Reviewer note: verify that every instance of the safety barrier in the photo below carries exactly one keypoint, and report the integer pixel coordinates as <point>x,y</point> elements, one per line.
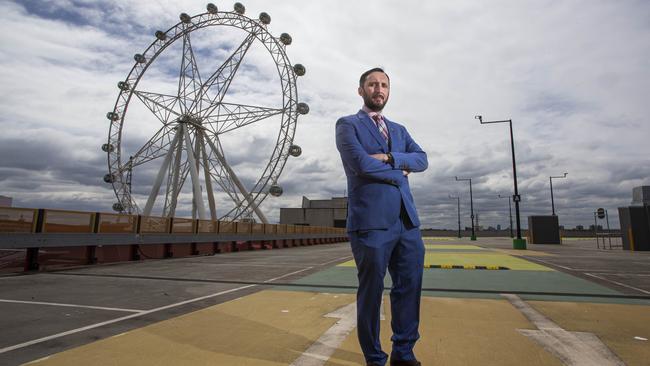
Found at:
<point>54,238</point>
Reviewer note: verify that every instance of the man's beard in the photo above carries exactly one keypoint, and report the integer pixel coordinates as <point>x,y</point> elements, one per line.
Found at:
<point>367,100</point>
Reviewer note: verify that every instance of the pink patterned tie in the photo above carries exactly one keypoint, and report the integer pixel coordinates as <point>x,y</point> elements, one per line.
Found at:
<point>379,121</point>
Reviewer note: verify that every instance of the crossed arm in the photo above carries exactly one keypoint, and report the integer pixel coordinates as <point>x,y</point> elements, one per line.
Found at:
<point>384,158</point>
<point>376,166</point>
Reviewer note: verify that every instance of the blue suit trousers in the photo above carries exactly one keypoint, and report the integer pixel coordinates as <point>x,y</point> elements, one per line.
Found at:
<point>400,250</point>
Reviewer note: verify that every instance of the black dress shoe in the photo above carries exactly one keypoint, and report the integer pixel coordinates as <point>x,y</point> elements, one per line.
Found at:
<point>405,363</point>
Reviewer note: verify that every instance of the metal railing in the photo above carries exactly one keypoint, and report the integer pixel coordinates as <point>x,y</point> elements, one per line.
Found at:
<point>35,229</point>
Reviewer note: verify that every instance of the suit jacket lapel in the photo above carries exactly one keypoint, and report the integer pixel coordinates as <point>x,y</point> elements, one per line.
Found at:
<point>372,127</point>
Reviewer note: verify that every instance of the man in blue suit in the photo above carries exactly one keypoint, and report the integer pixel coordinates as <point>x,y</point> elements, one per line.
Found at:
<point>378,155</point>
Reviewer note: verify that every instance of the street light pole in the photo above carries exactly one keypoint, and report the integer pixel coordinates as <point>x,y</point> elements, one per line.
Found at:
<point>517,243</point>
<point>457,198</point>
<point>550,180</point>
<point>510,212</point>
<point>471,204</point>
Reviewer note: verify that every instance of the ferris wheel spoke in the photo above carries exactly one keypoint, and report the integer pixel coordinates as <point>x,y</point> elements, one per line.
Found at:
<point>156,147</point>
<point>229,117</point>
<point>220,80</point>
<point>189,81</point>
<point>161,105</point>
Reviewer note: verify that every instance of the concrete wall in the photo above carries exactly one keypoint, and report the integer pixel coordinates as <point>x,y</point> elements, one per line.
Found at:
<point>322,217</point>
<point>292,216</point>
<point>316,212</point>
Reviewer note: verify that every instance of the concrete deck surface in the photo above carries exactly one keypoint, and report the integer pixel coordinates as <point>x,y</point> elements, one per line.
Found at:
<point>276,307</point>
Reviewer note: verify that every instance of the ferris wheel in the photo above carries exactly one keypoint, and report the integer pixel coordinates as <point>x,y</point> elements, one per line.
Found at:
<point>205,98</point>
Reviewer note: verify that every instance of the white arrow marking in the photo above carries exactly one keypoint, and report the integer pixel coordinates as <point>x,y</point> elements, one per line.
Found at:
<point>321,351</point>
<point>572,348</point>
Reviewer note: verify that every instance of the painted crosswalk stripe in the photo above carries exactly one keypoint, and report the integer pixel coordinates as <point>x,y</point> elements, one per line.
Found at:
<point>321,350</point>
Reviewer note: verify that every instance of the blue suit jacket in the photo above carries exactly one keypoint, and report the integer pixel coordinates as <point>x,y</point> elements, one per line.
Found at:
<point>377,190</point>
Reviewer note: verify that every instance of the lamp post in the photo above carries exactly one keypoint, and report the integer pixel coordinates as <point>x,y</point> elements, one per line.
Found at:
<point>471,204</point>
<point>457,198</point>
<point>510,212</point>
<point>550,180</point>
<point>517,243</point>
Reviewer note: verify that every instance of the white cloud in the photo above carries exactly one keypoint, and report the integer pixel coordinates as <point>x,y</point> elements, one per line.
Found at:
<point>571,75</point>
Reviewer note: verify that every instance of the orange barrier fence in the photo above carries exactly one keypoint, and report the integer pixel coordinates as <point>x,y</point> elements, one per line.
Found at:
<point>30,238</point>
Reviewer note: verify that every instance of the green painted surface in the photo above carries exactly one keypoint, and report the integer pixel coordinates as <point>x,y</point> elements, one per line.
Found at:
<point>459,279</point>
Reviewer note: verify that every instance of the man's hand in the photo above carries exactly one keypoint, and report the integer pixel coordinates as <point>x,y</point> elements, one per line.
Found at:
<point>381,157</point>
<point>405,172</point>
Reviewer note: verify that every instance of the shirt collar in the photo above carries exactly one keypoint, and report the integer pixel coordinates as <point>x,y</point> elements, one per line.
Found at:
<point>370,112</point>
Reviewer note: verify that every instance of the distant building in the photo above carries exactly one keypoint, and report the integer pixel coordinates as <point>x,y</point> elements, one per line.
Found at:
<point>641,196</point>
<point>499,227</point>
<point>331,213</point>
<point>5,201</point>
<point>580,227</point>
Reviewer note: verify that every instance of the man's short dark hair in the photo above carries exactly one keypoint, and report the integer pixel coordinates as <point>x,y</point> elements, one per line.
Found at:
<point>363,77</point>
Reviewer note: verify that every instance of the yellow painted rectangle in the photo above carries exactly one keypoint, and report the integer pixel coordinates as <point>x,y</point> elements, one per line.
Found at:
<point>488,259</point>
<point>474,259</point>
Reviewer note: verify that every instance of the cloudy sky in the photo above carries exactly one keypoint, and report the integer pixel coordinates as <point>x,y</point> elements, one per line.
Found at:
<point>572,75</point>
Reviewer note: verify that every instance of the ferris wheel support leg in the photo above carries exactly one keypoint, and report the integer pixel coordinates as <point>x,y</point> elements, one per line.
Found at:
<point>175,190</point>
<point>161,173</point>
<point>238,183</point>
<point>206,172</point>
<point>196,188</point>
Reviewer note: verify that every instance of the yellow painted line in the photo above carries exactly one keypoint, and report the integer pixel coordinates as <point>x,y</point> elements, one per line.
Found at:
<point>438,238</point>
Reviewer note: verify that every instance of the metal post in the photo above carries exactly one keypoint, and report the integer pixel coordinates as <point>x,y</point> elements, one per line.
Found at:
<point>596,232</point>
<point>517,243</point>
<point>609,233</point>
<point>458,201</point>
<point>521,244</point>
<point>471,205</point>
<point>510,213</point>
<point>457,198</point>
<point>550,179</point>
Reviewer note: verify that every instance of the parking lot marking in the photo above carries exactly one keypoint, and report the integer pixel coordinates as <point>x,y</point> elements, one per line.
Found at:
<point>572,348</point>
<point>70,305</point>
<point>140,313</point>
<point>321,350</point>
<point>97,325</point>
<point>618,283</point>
